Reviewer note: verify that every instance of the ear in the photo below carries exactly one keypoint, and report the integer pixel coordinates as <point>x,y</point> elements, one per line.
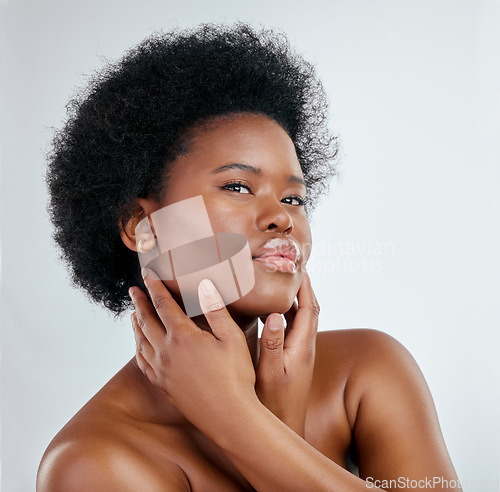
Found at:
<point>144,207</point>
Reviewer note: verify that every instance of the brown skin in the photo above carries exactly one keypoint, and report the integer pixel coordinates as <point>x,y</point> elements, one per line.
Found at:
<point>281,418</point>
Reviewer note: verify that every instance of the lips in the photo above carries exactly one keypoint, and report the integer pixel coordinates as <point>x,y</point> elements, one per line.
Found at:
<point>279,254</point>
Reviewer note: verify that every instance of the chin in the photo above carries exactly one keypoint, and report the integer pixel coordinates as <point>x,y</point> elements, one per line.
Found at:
<point>272,293</point>
<point>268,296</point>
<point>253,308</point>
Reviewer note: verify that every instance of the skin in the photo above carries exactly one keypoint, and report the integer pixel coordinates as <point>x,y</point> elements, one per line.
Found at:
<point>205,405</point>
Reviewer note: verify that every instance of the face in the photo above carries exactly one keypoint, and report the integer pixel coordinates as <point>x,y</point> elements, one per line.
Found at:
<point>247,171</point>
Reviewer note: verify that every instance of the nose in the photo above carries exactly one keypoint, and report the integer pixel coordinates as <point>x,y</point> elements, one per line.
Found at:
<point>273,216</point>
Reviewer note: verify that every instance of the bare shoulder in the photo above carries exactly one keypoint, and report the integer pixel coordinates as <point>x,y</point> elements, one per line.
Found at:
<point>357,351</point>
<point>368,361</point>
<point>100,460</point>
<point>359,341</point>
<point>388,405</point>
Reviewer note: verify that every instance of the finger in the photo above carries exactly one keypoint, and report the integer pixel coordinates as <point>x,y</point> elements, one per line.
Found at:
<point>167,309</point>
<point>305,324</point>
<point>144,366</point>
<point>151,325</point>
<point>290,316</point>
<point>306,297</point>
<point>142,344</point>
<point>215,311</point>
<point>271,347</point>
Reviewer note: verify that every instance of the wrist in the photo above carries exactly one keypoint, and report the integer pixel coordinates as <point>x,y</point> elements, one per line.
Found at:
<point>223,420</point>
<point>290,417</point>
<point>235,421</point>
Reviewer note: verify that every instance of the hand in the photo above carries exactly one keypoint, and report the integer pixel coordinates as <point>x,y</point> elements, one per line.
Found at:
<point>286,362</point>
<point>203,374</point>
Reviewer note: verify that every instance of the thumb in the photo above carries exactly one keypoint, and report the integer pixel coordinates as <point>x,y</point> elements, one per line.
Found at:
<point>271,346</point>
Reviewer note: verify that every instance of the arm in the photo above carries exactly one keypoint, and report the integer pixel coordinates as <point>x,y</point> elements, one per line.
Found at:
<point>273,457</point>
<point>393,419</point>
<point>174,354</point>
<point>286,359</point>
<point>396,429</point>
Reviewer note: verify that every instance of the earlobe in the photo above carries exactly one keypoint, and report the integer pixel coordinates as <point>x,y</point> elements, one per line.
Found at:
<point>132,237</point>
<point>127,231</point>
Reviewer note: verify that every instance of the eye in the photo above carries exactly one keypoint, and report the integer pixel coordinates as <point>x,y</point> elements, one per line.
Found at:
<point>237,187</point>
<point>294,200</point>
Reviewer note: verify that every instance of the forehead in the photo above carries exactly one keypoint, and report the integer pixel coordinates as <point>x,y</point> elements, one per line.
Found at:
<point>244,138</point>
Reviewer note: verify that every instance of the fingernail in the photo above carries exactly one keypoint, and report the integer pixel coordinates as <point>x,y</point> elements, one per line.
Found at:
<point>207,287</point>
<point>131,293</point>
<point>274,323</point>
<point>144,273</point>
<point>210,300</point>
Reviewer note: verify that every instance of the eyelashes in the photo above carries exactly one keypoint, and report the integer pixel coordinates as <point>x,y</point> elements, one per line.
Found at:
<point>300,201</point>
<point>239,186</point>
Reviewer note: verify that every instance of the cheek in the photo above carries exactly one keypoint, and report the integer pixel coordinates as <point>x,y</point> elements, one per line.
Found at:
<point>224,218</point>
<point>306,252</point>
<point>304,237</point>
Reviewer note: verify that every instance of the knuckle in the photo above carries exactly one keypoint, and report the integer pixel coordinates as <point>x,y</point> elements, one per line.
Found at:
<point>175,339</point>
<point>314,309</point>
<point>217,308</point>
<point>141,319</point>
<point>217,314</point>
<point>159,302</point>
<point>273,343</point>
<point>140,344</point>
<point>230,337</point>
<point>164,357</point>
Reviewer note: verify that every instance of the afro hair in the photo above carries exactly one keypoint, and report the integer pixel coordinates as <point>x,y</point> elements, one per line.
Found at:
<point>132,119</point>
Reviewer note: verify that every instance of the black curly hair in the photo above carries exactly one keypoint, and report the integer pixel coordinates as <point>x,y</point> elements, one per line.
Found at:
<point>132,119</point>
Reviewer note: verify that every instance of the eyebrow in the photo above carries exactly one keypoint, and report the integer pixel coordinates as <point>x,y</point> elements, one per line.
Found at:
<point>254,170</point>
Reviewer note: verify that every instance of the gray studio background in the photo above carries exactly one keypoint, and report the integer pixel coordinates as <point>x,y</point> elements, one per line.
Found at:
<point>407,242</point>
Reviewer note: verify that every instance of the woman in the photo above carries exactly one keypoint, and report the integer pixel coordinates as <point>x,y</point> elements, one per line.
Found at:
<point>235,117</point>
